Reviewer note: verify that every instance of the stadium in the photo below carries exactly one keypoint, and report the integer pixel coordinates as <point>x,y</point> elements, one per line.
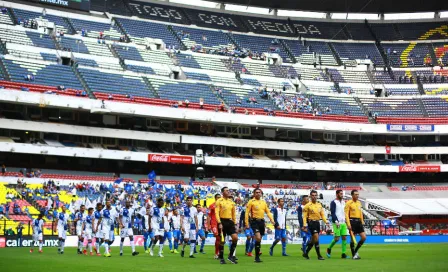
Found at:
<point>185,135</point>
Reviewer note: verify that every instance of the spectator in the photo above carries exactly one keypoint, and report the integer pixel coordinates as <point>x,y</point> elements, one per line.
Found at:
<point>3,169</point>
<point>110,97</point>
<point>19,234</point>
<point>187,103</point>
<point>201,103</point>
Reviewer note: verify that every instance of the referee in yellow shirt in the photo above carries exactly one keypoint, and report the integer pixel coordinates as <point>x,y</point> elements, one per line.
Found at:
<point>255,209</point>
<point>226,217</point>
<point>313,212</point>
<point>355,222</point>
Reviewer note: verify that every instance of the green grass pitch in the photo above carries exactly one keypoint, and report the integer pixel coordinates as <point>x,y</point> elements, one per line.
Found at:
<point>379,258</point>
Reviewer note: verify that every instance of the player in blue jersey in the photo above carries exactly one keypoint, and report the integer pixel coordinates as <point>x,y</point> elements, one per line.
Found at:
<point>107,226</point>
<point>79,220</point>
<point>126,220</point>
<point>87,227</point>
<point>279,215</point>
<point>168,229</point>
<point>61,225</point>
<point>201,228</point>
<point>306,235</point>
<point>156,215</point>
<point>97,228</point>
<point>175,219</point>
<point>38,225</point>
<point>189,226</point>
<point>250,241</point>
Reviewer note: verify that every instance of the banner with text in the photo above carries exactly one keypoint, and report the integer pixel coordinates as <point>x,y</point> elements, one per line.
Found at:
<point>416,128</point>
<point>419,168</point>
<point>179,159</point>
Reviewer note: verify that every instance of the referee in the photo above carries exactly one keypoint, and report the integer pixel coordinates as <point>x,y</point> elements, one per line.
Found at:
<point>226,218</point>
<point>256,208</point>
<point>355,222</point>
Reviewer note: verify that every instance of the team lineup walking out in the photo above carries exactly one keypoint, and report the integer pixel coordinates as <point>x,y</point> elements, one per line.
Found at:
<point>188,225</point>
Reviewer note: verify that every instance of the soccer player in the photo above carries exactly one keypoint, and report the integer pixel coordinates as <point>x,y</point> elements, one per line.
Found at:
<point>250,241</point>
<point>313,212</point>
<point>355,222</point>
<point>107,227</point>
<point>337,208</point>
<point>37,233</point>
<point>146,227</point>
<point>126,221</point>
<point>87,228</point>
<point>201,233</point>
<point>280,226</point>
<point>212,224</point>
<point>97,227</point>
<point>61,223</point>
<point>156,214</point>
<point>256,208</point>
<point>189,226</point>
<point>226,217</point>
<point>168,235</point>
<point>306,236</point>
<point>176,230</point>
<point>79,220</point>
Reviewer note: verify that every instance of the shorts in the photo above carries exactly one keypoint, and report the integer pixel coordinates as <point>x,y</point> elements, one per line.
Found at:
<point>62,233</point>
<point>190,234</point>
<point>158,232</point>
<point>78,231</point>
<point>176,234</point>
<point>106,235</point>
<point>341,231</point>
<point>314,227</point>
<point>168,235</point>
<point>200,233</point>
<point>228,227</point>
<point>306,235</point>
<point>357,226</point>
<point>258,226</point>
<point>88,234</point>
<point>127,232</point>
<point>249,232</point>
<point>280,234</point>
<point>37,237</point>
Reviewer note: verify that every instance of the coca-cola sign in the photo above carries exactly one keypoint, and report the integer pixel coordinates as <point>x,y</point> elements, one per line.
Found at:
<point>419,168</point>
<point>170,158</point>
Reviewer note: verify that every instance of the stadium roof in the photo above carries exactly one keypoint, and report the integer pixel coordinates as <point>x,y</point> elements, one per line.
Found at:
<point>414,206</point>
<point>352,6</point>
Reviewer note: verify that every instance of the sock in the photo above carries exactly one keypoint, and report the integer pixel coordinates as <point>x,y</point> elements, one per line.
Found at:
<point>252,245</point>
<point>145,246</point>
<point>121,247</point>
<point>333,242</point>
<point>106,248</point>
<point>359,246</point>
<point>344,246</point>
<point>150,243</point>
<point>232,248</point>
<point>97,246</point>
<point>90,247</point>
<point>170,244</point>
<point>257,249</point>
<point>352,248</point>
<point>40,245</point>
<point>216,246</point>
<point>133,246</point>
<point>62,245</point>
<point>309,247</point>
<point>79,245</point>
<point>317,247</point>
<point>153,246</point>
<point>176,244</point>
<point>161,248</point>
<point>274,243</point>
<point>221,251</point>
<point>202,244</point>
<point>247,245</point>
<point>234,252</point>
<point>192,247</point>
<point>184,245</point>
<point>284,247</point>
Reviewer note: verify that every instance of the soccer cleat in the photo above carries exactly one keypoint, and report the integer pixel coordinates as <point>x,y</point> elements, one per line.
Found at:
<point>146,251</point>
<point>356,257</point>
<point>216,257</point>
<point>221,261</point>
<point>98,254</point>
<point>249,254</point>
<point>328,253</point>
<point>201,251</point>
<point>195,252</point>
<point>40,251</point>
<point>304,255</point>
<point>232,260</point>
<point>62,252</point>
<point>344,256</point>
<point>320,258</point>
<point>160,255</point>
<point>235,258</point>
<point>182,253</point>
<point>135,253</point>
<point>91,254</point>
<point>31,250</point>
<point>192,257</point>
<point>172,251</point>
<point>258,260</point>
<point>84,252</point>
<point>151,252</point>
<point>271,251</point>
<point>59,250</point>
<point>176,252</point>
<point>121,253</point>
<point>107,255</point>
<point>285,255</point>
<point>261,253</point>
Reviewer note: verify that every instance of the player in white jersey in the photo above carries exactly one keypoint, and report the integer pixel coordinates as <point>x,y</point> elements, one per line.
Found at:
<point>201,228</point>
<point>279,214</point>
<point>189,226</point>
<point>97,227</point>
<point>175,219</point>
<point>126,221</point>
<point>79,220</point>
<point>107,225</point>
<point>156,214</point>
<point>87,227</point>
<point>38,225</point>
<point>167,227</point>
<point>61,227</point>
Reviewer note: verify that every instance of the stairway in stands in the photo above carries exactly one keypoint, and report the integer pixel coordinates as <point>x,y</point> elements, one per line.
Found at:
<point>288,51</point>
